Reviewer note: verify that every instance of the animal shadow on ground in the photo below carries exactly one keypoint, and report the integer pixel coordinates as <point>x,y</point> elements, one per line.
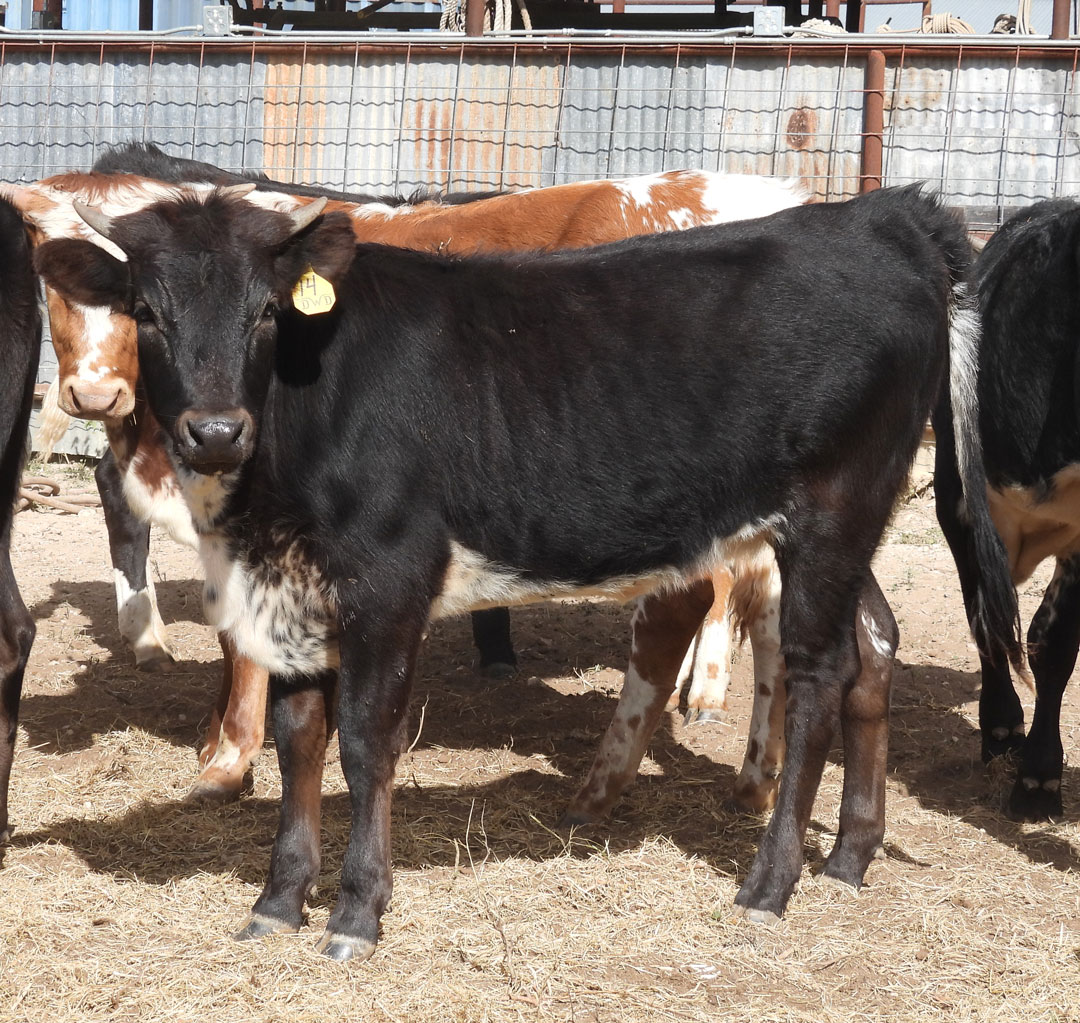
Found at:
<point>935,752</point>
<point>519,718</point>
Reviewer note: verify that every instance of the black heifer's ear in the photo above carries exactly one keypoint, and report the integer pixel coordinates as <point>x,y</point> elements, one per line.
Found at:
<point>83,272</point>
<point>328,248</point>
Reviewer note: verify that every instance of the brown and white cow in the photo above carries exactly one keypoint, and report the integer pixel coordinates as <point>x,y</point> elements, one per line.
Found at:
<point>99,373</point>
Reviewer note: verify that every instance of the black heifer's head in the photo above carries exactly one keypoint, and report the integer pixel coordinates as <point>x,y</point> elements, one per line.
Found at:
<point>205,282</point>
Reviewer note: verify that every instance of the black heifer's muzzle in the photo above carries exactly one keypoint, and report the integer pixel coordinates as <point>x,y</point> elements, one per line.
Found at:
<point>211,442</point>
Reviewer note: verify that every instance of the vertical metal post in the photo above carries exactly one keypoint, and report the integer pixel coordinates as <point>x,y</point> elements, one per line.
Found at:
<point>873,121</point>
<point>474,17</point>
<point>1060,25</point>
<point>146,15</point>
<point>832,9</point>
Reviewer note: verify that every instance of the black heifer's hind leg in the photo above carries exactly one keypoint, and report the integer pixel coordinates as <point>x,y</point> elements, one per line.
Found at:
<point>821,583</point>
<point>129,547</point>
<point>303,720</point>
<point>16,638</point>
<point>1053,641</point>
<point>491,634</point>
<point>864,718</point>
<point>1001,716</point>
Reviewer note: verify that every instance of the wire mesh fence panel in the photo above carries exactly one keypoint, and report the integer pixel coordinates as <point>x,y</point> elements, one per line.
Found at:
<point>994,127</point>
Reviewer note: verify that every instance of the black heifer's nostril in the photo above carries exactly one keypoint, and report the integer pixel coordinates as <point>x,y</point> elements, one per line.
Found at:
<point>215,441</point>
<point>219,431</point>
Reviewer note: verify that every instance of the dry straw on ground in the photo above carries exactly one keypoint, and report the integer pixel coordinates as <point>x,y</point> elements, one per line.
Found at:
<point>117,899</point>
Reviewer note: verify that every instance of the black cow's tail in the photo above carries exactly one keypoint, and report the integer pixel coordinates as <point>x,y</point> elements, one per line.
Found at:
<point>994,616</point>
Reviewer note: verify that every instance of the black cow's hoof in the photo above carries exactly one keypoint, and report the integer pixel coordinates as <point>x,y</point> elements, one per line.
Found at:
<point>342,948</point>
<point>259,926</point>
<point>1032,800</point>
<point>755,915</point>
<point>1002,742</point>
<point>498,670</point>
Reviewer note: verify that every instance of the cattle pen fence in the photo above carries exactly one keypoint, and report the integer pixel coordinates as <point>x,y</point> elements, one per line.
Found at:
<point>993,122</point>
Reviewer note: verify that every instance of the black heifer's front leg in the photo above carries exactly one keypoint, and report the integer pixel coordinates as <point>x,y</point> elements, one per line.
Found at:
<point>491,634</point>
<point>1053,641</point>
<point>864,718</point>
<point>378,653</point>
<point>129,546</point>
<point>817,629</point>
<point>303,720</point>
<point>16,638</point>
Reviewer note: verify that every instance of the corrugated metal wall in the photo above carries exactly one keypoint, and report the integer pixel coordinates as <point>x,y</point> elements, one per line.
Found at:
<point>993,128</point>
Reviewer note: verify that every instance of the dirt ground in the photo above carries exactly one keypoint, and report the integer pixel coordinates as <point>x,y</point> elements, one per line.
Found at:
<point>117,899</point>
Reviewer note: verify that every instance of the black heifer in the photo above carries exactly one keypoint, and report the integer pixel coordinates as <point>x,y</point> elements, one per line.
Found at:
<point>422,449</point>
<point>20,343</point>
<point>1028,278</point>
<point>129,536</point>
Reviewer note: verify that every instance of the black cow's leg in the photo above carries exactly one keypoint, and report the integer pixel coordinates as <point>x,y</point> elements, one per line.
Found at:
<point>820,588</point>
<point>1053,642</point>
<point>491,634</point>
<point>303,721</point>
<point>129,546</point>
<point>864,717</point>
<point>377,661</point>
<point>16,638</point>
<point>1001,716</point>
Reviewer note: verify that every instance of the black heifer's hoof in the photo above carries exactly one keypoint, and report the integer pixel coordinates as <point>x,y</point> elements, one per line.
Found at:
<point>342,948</point>
<point>1032,800</point>
<point>498,670</point>
<point>258,926</point>
<point>755,916</point>
<point>1002,742</point>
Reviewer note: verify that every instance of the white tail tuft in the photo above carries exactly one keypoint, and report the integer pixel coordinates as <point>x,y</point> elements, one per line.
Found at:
<point>53,422</point>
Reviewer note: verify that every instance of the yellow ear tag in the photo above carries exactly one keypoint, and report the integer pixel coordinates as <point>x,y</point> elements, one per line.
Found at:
<point>313,294</point>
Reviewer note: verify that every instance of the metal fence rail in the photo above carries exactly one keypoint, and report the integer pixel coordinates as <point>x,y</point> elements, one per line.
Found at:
<point>992,125</point>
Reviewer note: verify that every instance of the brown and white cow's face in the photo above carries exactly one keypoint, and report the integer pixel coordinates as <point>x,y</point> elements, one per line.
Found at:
<point>95,345</point>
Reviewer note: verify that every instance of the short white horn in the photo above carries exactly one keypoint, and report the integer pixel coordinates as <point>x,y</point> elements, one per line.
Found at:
<point>94,217</point>
<point>237,191</point>
<point>306,214</point>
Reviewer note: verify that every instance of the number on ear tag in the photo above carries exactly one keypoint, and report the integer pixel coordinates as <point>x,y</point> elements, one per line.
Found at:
<point>313,294</point>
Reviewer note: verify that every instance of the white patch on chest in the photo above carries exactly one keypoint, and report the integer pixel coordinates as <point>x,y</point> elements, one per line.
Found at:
<point>281,613</point>
<point>162,504</point>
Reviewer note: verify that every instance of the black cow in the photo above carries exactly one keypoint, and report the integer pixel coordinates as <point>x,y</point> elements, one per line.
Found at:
<point>20,344</point>
<point>422,449</point>
<point>129,536</point>
<point>1029,417</point>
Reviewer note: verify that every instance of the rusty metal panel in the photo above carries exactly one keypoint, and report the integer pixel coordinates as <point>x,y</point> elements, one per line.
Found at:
<point>991,134</point>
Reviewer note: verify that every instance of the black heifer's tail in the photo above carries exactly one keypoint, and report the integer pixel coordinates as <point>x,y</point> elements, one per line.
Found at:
<point>992,612</point>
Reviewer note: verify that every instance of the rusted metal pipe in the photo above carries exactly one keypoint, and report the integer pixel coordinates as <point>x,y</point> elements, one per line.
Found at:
<point>873,121</point>
<point>832,9</point>
<point>1060,25</point>
<point>474,17</point>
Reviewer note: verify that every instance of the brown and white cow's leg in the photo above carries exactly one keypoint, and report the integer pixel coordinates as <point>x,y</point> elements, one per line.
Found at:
<point>707,698</point>
<point>129,546</point>
<point>235,735</point>
<point>759,779</point>
<point>864,719</point>
<point>663,626</point>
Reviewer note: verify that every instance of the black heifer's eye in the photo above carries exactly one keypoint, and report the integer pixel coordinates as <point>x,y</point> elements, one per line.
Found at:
<point>142,313</point>
<point>269,312</point>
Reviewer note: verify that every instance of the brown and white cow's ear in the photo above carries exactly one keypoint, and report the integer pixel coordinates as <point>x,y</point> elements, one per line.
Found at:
<point>84,272</point>
<point>327,247</point>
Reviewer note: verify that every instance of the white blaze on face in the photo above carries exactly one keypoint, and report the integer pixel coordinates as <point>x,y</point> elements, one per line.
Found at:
<point>97,332</point>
